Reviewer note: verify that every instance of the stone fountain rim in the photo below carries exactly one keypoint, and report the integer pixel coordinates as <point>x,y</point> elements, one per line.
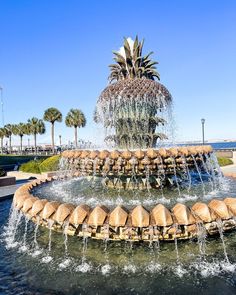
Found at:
<point>24,201</point>
<point>175,149</point>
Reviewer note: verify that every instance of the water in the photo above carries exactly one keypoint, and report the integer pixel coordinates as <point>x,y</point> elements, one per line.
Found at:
<point>82,191</point>
<point>121,270</point>
<point>53,263</point>
<point>135,123</point>
<point>216,145</point>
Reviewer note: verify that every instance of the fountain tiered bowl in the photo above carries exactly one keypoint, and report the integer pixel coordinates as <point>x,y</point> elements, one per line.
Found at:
<point>137,169</point>
<point>130,170</point>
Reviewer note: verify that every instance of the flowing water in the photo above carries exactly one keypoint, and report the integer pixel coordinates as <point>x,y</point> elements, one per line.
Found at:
<point>36,260</point>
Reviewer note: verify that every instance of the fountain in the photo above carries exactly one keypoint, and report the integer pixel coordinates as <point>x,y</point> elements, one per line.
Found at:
<point>138,215</point>
<point>132,111</point>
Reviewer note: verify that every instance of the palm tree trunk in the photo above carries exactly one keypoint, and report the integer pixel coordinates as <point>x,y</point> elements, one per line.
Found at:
<point>52,132</point>
<point>21,138</point>
<point>76,140</point>
<point>35,144</point>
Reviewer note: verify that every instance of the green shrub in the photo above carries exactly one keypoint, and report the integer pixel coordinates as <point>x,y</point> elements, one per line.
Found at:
<point>31,166</point>
<point>2,172</point>
<point>38,166</point>
<point>50,164</point>
<point>224,161</point>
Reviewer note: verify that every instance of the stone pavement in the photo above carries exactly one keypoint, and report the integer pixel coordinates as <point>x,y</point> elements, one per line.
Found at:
<point>24,176</point>
<point>229,169</point>
<point>21,177</point>
<point>8,191</point>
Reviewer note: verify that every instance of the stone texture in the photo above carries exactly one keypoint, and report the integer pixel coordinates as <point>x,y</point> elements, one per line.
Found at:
<point>220,209</point>
<point>79,214</point>
<point>140,217</point>
<point>183,215</point>
<point>63,211</point>
<point>38,206</point>
<point>202,211</point>
<point>98,215</point>
<point>161,216</point>
<point>28,204</point>
<point>49,209</point>
<point>231,204</point>
<point>118,217</point>
<point>21,199</point>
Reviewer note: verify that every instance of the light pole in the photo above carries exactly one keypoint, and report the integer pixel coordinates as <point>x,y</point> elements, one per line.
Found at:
<point>60,140</point>
<point>203,130</point>
<point>1,89</point>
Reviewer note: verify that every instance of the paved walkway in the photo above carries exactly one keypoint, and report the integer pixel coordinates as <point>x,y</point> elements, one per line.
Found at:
<point>8,191</point>
<point>21,177</point>
<point>24,176</point>
<point>229,169</point>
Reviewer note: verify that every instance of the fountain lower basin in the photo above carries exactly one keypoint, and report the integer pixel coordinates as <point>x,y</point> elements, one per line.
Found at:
<point>119,223</point>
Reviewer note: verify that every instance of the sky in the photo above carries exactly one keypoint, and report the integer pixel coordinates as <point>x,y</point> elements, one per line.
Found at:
<point>56,54</point>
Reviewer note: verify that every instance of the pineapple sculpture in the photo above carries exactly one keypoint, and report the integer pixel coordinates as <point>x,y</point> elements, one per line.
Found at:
<point>130,107</point>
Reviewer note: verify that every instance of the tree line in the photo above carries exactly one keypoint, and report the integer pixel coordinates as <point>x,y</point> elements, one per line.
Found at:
<point>34,126</point>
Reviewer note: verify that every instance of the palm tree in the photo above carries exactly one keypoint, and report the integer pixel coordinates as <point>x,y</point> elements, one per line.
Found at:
<point>3,133</point>
<point>21,129</point>
<point>36,126</point>
<point>52,115</point>
<point>9,132</point>
<point>75,118</point>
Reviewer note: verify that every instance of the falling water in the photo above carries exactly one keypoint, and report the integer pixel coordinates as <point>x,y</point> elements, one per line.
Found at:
<point>50,224</point>
<point>187,172</point>
<point>106,236</point>
<point>12,226</point>
<point>176,243</point>
<point>147,175</point>
<point>127,121</point>
<point>25,233</point>
<point>207,172</point>
<point>220,228</point>
<point>175,174</point>
<point>13,216</point>
<point>201,238</point>
<point>94,170</point>
<point>66,225</point>
<point>157,244</point>
<point>134,179</point>
<point>211,168</point>
<point>48,258</point>
<point>35,232</point>
<point>217,167</point>
<point>176,249</point>
<point>161,175</point>
<point>85,238</point>
<point>151,234</point>
<point>199,173</point>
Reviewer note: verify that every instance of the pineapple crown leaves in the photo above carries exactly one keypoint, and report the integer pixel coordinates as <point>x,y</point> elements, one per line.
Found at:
<point>131,64</point>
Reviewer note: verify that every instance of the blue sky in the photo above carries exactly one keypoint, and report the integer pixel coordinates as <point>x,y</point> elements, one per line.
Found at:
<point>56,53</point>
